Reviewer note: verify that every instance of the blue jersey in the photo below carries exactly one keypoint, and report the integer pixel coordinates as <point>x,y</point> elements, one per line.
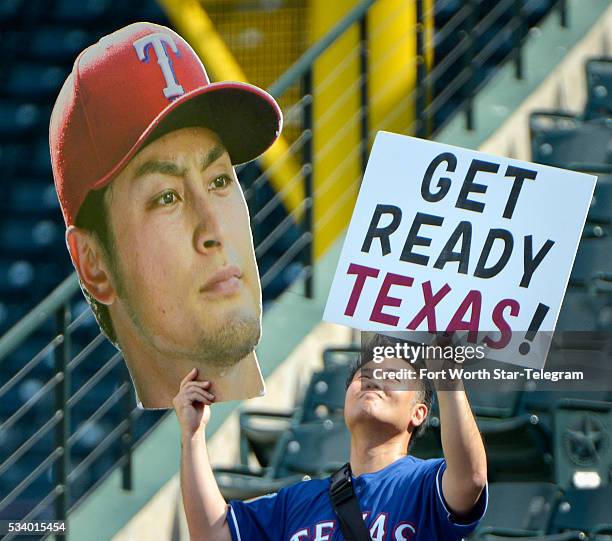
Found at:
<point>402,502</point>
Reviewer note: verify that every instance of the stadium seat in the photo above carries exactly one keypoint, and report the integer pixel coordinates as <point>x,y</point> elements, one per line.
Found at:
<point>564,140</point>
<point>499,402</point>
<point>10,12</point>
<point>18,119</point>
<point>599,88</point>
<point>325,395</point>
<point>588,310</point>
<point>519,509</point>
<point>600,211</point>
<point>518,449</point>
<point>152,12</point>
<point>22,237</point>
<point>33,82</point>
<point>540,396</point>
<point>583,454</point>
<point>35,198</point>
<point>594,256</point>
<point>40,159</point>
<point>260,432</point>
<point>602,532</point>
<point>15,277</point>
<point>10,156</point>
<point>341,356</point>
<point>324,398</point>
<point>53,43</point>
<point>10,313</point>
<point>84,12</point>
<point>312,449</point>
<point>28,159</point>
<point>586,510</point>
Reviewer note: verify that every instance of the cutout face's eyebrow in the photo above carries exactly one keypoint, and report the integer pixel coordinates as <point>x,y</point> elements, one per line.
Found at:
<point>173,170</point>
<point>213,155</point>
<point>156,166</point>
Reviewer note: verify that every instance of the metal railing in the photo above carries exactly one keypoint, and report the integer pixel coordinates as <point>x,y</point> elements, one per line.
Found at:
<point>59,305</point>
<point>465,22</point>
<point>301,73</point>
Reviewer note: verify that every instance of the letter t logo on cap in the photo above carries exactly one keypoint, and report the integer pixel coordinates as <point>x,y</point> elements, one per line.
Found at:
<point>157,41</point>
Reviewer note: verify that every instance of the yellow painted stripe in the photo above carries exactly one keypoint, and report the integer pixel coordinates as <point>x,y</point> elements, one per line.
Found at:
<point>337,101</point>
<point>193,23</point>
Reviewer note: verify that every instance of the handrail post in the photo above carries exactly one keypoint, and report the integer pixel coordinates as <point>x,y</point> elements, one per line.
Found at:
<point>470,63</point>
<point>127,439</point>
<point>518,39</point>
<point>563,13</point>
<point>422,127</point>
<point>62,357</point>
<point>363,65</point>
<point>307,168</point>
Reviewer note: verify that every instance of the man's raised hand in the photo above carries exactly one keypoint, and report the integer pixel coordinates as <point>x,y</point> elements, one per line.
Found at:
<point>192,404</point>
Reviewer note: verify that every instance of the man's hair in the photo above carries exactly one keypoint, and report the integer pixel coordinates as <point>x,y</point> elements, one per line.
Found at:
<point>93,217</point>
<point>424,391</point>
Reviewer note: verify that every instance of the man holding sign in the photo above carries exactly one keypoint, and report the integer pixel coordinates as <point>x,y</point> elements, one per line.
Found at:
<point>398,497</point>
<point>449,239</point>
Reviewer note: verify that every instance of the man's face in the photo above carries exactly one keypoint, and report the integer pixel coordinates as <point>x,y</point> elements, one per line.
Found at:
<point>389,402</point>
<point>184,265</point>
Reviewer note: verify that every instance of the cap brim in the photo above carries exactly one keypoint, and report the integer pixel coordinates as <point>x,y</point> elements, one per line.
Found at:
<point>246,118</point>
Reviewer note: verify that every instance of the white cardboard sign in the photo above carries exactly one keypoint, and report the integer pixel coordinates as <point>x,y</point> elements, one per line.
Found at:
<point>449,239</point>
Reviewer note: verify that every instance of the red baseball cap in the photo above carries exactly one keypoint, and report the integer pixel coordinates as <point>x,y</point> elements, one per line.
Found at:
<point>133,86</point>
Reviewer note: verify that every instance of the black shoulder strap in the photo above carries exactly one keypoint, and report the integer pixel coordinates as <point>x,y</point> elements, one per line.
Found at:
<point>346,505</point>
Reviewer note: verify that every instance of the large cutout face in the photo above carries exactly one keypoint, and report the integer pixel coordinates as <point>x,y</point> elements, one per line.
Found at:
<point>182,269</point>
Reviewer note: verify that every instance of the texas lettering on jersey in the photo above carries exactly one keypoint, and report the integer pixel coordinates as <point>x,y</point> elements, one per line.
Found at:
<point>379,530</point>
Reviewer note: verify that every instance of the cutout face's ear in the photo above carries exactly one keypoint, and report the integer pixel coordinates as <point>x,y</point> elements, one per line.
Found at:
<point>90,264</point>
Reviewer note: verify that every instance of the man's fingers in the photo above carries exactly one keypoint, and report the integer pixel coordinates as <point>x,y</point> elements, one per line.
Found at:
<point>191,391</point>
<point>191,375</point>
<point>190,402</point>
<point>200,395</point>
<point>202,392</point>
<point>190,379</point>
<point>186,395</point>
<point>197,385</point>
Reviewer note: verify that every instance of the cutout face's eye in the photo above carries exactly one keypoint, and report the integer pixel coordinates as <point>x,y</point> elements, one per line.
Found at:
<point>221,182</point>
<point>167,198</point>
